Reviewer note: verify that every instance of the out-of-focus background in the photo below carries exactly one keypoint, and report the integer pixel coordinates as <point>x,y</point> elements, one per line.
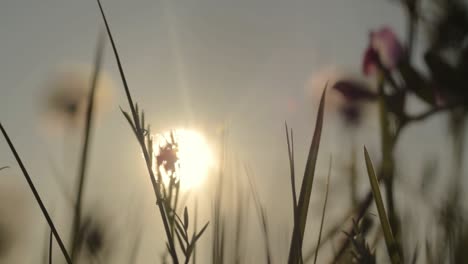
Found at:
<point>232,69</point>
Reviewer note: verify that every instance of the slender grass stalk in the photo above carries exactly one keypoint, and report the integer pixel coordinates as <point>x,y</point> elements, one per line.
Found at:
<point>329,235</point>
<point>140,133</point>
<point>4,167</point>
<point>261,213</point>
<point>290,143</point>
<point>324,209</point>
<point>195,226</point>
<point>295,251</point>
<point>388,137</point>
<point>242,210</point>
<point>50,247</point>
<point>76,225</point>
<point>36,195</point>
<point>392,246</point>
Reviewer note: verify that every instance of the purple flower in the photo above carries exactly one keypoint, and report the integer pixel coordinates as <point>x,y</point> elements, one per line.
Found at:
<point>354,93</point>
<point>370,61</point>
<point>384,48</point>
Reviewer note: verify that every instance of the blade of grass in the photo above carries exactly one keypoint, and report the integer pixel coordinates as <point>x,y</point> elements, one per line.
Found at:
<point>195,226</point>
<point>86,143</point>
<point>337,228</point>
<point>140,134</point>
<point>324,209</point>
<point>241,223</point>
<point>261,214</point>
<point>290,143</point>
<point>295,251</point>
<point>50,247</point>
<point>4,167</point>
<point>392,246</point>
<point>36,195</point>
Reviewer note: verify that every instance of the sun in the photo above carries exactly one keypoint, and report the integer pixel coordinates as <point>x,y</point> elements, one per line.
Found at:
<point>194,156</point>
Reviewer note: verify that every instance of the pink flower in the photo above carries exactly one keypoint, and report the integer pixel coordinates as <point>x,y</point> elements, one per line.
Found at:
<point>384,48</point>
<point>370,61</point>
<point>355,93</point>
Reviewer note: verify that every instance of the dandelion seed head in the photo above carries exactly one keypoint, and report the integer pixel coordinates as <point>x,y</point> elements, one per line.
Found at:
<point>66,96</point>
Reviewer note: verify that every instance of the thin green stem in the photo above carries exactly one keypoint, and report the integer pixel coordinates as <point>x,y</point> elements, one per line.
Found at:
<point>140,134</point>
<point>36,196</point>
<point>76,225</point>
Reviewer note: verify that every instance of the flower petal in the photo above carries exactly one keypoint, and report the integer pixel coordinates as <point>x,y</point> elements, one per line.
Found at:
<point>370,61</point>
<point>354,91</point>
<point>388,47</point>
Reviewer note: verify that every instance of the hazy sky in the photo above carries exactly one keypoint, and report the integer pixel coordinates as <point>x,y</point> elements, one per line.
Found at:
<point>193,63</point>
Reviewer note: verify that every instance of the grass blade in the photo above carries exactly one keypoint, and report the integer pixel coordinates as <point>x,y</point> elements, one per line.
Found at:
<point>87,139</point>
<point>36,195</point>
<point>323,212</point>
<point>195,223</point>
<point>261,215</point>
<point>50,247</point>
<point>290,143</point>
<point>392,246</point>
<point>295,250</point>
<point>141,140</point>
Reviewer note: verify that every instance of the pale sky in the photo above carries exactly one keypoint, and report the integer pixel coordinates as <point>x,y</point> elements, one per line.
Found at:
<point>197,64</point>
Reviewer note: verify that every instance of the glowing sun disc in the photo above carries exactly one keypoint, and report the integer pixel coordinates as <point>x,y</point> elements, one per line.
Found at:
<point>195,158</point>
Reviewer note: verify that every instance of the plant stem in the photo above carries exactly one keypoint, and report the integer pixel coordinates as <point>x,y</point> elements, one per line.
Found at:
<point>36,196</point>
<point>85,152</point>
<point>140,134</point>
<point>387,167</point>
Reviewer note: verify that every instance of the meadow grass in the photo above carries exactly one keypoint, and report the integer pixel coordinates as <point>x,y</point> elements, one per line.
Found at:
<point>181,230</point>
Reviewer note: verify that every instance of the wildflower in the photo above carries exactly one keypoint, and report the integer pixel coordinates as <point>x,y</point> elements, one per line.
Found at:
<point>167,157</point>
<point>67,95</point>
<point>94,237</point>
<point>384,49</point>
<point>355,94</point>
<point>347,96</point>
<point>354,91</point>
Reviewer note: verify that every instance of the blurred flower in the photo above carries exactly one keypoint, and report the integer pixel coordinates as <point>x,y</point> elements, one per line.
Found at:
<point>94,238</point>
<point>384,48</point>
<point>347,96</point>
<point>167,162</point>
<point>355,94</point>
<point>167,157</point>
<point>370,61</point>
<point>354,91</point>
<point>67,94</point>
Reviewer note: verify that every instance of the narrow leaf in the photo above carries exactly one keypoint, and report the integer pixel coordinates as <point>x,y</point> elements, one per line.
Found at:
<point>392,246</point>
<point>181,243</point>
<point>323,212</point>
<point>50,246</point>
<point>186,218</point>
<point>295,250</point>
<point>36,195</point>
<point>200,233</point>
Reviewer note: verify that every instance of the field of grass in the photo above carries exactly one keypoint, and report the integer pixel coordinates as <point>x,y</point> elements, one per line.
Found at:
<point>373,230</point>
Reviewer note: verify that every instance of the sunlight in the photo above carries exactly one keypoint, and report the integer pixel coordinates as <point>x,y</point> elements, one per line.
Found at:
<point>194,155</point>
